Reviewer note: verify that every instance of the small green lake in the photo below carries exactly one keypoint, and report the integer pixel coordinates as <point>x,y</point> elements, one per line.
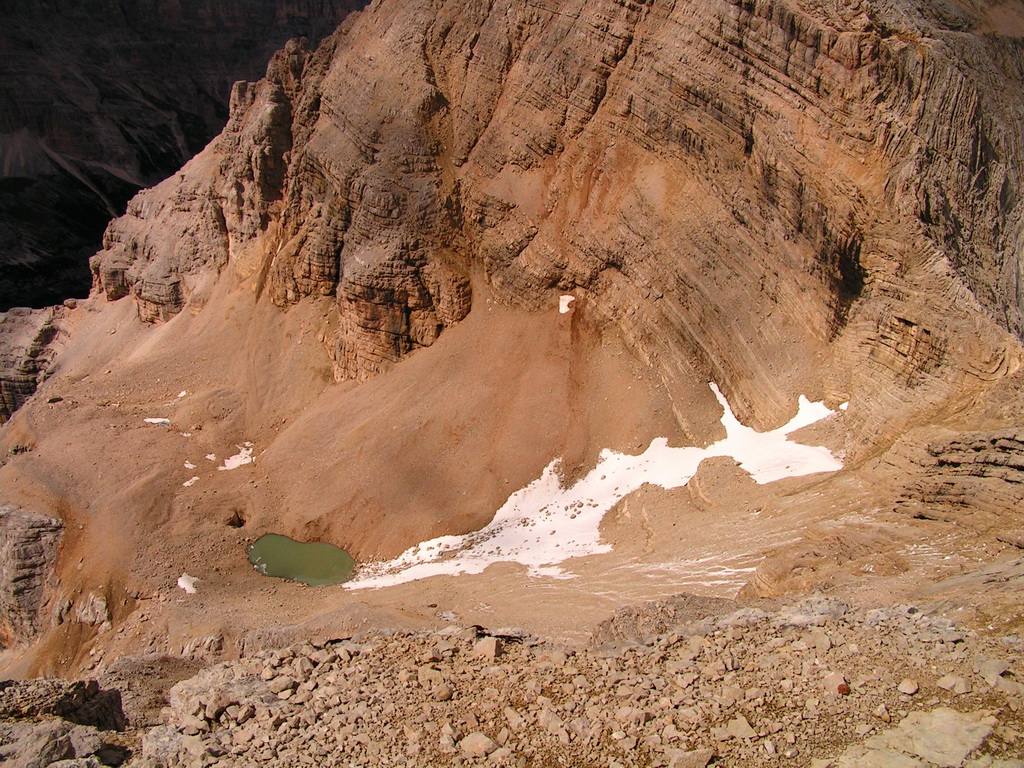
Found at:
<point>315,563</point>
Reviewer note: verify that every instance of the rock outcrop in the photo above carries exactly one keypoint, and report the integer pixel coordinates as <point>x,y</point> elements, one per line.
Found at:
<point>27,348</point>
<point>150,89</point>
<point>77,701</point>
<point>733,186</point>
<point>28,554</point>
<point>59,722</point>
<point>975,480</point>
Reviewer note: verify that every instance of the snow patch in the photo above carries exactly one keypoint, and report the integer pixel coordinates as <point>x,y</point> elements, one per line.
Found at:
<point>243,457</point>
<point>189,465</point>
<point>182,393</point>
<point>544,524</point>
<point>211,457</point>
<point>159,422</point>
<point>565,304</point>
<point>188,583</point>
<point>190,482</point>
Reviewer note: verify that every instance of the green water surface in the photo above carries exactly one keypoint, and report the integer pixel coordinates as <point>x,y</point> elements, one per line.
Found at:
<point>316,563</point>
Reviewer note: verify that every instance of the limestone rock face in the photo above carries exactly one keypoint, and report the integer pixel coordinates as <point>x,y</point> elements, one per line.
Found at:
<point>734,186</point>
<point>28,553</point>
<point>783,197</point>
<point>150,89</point>
<point>27,347</point>
<point>975,479</point>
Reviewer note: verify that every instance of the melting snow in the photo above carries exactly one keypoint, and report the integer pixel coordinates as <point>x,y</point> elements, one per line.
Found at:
<point>565,303</point>
<point>244,456</point>
<point>191,481</point>
<point>159,422</point>
<point>188,583</point>
<point>189,465</point>
<point>544,524</point>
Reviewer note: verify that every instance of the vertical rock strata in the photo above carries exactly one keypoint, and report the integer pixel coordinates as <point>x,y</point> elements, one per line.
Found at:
<point>28,553</point>
<point>733,185</point>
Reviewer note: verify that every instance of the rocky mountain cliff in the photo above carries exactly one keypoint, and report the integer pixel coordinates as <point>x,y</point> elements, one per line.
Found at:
<point>844,172</point>
<point>99,99</point>
<point>359,283</point>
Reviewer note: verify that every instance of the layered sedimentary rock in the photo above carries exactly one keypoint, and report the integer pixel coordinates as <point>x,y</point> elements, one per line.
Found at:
<point>99,99</point>
<point>734,186</point>
<point>27,347</point>
<point>28,554</point>
<point>975,480</point>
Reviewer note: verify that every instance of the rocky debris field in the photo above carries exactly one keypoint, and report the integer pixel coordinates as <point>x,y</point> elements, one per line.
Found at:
<point>62,723</point>
<point>812,684</point>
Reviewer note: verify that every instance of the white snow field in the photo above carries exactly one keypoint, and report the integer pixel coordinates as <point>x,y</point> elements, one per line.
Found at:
<point>240,459</point>
<point>544,524</point>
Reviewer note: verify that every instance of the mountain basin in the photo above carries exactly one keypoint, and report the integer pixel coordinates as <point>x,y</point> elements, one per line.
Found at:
<point>315,563</point>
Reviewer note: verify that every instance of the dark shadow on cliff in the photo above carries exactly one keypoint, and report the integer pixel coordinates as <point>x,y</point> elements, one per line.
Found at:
<point>151,87</point>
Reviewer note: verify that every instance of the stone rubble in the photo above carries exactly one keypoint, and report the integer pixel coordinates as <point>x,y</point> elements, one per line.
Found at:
<point>812,684</point>
<point>60,723</point>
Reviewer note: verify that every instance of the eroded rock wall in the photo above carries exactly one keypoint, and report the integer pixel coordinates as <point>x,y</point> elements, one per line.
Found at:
<point>28,554</point>
<point>973,479</point>
<point>952,77</point>
<point>734,186</point>
<point>27,348</point>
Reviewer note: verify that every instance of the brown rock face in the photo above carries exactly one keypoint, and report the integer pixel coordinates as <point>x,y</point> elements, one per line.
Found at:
<point>78,701</point>
<point>149,90</point>
<point>975,480</point>
<point>26,350</point>
<point>28,553</point>
<point>731,185</point>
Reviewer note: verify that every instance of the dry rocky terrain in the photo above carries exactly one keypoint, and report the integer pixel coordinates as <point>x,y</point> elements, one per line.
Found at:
<point>362,280</point>
<point>810,683</point>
